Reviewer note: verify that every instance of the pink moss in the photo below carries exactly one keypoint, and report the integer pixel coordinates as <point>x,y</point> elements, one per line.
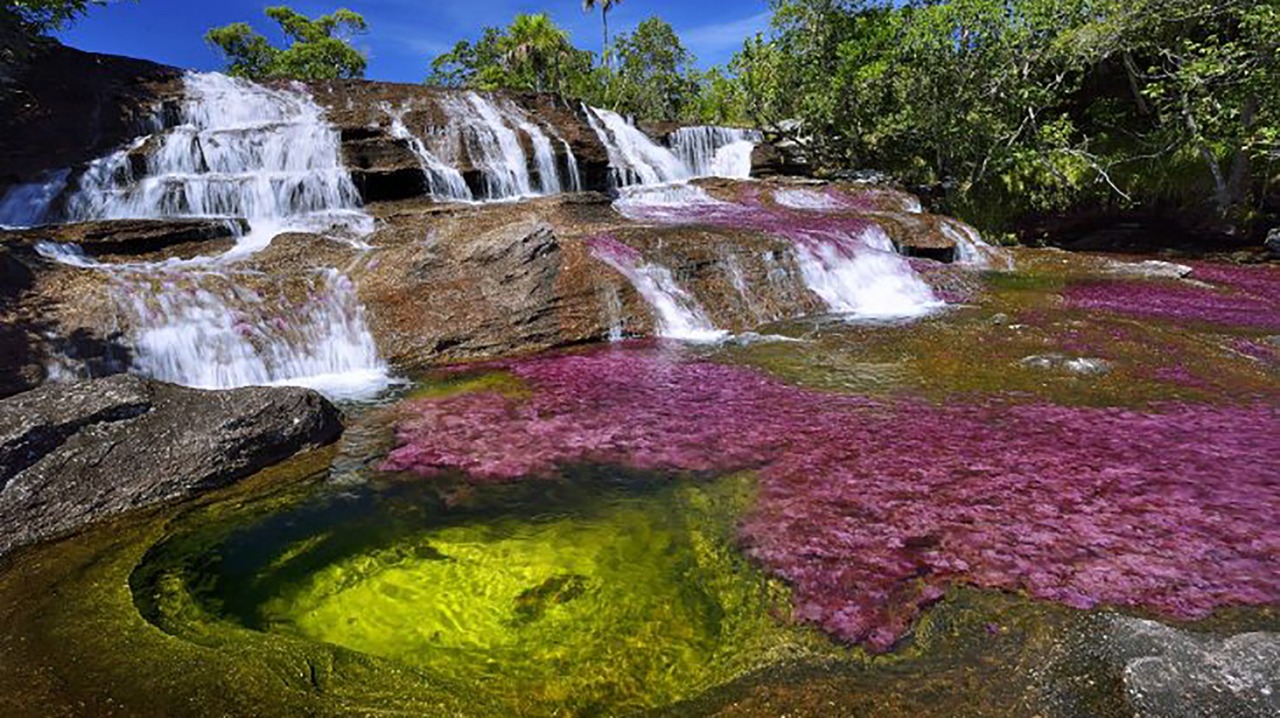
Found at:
<point>1244,297</point>
<point>870,509</point>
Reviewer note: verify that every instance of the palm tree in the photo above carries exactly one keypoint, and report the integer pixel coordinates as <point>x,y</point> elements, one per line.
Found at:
<point>605,7</point>
<point>534,43</point>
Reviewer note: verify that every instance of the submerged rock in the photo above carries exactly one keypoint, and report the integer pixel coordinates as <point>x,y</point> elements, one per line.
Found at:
<point>1151,269</point>
<point>1061,362</point>
<point>1170,673</point>
<point>73,454</point>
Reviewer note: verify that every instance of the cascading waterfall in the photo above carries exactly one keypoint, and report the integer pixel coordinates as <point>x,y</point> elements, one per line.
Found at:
<point>715,151</point>
<point>544,154</point>
<point>210,326</point>
<point>488,133</point>
<point>27,205</point>
<point>861,274</point>
<point>241,150</point>
<point>443,182</point>
<point>633,157</point>
<point>849,263</point>
<point>210,330</point>
<point>679,314</point>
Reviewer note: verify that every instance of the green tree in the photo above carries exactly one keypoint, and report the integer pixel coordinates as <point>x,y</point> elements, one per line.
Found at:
<point>534,51</point>
<point>605,6</point>
<point>320,48</point>
<point>532,54</point>
<point>654,75</point>
<point>39,17</point>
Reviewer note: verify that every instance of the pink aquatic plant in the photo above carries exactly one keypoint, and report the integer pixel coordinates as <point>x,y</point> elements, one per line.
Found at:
<point>1243,297</point>
<point>870,510</point>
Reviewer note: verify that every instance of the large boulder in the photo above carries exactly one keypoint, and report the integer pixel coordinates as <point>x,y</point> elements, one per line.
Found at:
<point>71,454</point>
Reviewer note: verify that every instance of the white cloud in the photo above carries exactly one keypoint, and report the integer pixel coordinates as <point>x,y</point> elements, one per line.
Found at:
<point>710,42</point>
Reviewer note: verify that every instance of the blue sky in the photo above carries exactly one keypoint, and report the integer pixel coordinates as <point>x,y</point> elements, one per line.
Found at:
<point>403,34</point>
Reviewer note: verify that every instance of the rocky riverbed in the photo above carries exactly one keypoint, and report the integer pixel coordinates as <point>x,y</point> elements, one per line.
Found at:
<point>361,398</point>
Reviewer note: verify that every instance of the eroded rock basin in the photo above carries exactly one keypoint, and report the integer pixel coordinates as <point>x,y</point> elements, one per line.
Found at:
<point>1040,502</point>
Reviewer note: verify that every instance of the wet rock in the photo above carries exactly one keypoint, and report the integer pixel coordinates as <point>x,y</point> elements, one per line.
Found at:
<point>1170,673</point>
<point>71,454</point>
<point>773,160</point>
<point>1083,366</point>
<point>135,237</point>
<point>1150,269</point>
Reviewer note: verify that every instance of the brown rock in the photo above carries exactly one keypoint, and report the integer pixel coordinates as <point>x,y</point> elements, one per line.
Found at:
<point>137,237</point>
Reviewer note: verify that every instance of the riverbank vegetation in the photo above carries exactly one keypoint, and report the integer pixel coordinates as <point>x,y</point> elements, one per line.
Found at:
<point>1003,110</point>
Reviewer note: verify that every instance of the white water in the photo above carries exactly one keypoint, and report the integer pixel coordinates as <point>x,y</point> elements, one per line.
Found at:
<point>715,151</point>
<point>972,249</point>
<point>544,155</point>
<point>678,313</point>
<point>633,157</point>
<point>487,133</point>
<point>27,205</point>
<point>206,327</point>
<point>241,150</point>
<point>443,182</point>
<point>872,282</point>
<point>212,331</point>
<point>807,199</point>
<point>575,175</point>
<point>861,276</point>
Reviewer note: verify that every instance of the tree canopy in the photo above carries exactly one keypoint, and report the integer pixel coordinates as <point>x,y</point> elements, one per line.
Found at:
<point>320,48</point>
<point>1024,106</point>
<point>652,76</point>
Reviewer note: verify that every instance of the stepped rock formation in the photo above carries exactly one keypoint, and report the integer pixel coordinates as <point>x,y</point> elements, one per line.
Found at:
<point>226,233</point>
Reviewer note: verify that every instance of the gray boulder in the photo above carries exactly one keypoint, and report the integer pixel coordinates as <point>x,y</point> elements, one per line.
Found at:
<point>1170,673</point>
<point>1273,242</point>
<point>71,454</point>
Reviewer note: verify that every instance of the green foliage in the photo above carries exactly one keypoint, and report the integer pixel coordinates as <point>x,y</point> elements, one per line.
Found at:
<point>652,76</point>
<point>533,54</point>
<point>320,48</point>
<point>39,17</point>
<point>1018,106</point>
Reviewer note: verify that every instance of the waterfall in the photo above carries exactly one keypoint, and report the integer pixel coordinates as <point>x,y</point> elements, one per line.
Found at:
<point>633,157</point>
<point>443,182</point>
<point>571,163</point>
<point>210,327</point>
<point>544,155</point>
<point>240,150</point>
<point>210,330</point>
<point>679,314</point>
<point>27,205</point>
<point>491,145</point>
<point>715,151</point>
<point>848,262</point>
<point>861,275</point>
<point>971,248</point>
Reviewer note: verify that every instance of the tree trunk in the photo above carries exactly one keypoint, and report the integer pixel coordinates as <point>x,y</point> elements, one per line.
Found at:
<point>1238,180</point>
<point>604,49</point>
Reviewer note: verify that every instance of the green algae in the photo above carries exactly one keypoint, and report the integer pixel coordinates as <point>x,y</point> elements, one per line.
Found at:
<point>73,643</point>
<point>597,593</point>
<point>989,347</point>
